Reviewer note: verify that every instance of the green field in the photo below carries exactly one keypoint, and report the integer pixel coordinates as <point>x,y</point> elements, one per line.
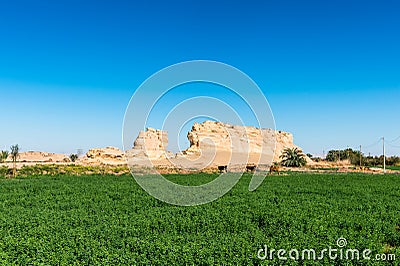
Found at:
<point>391,167</point>
<point>110,220</point>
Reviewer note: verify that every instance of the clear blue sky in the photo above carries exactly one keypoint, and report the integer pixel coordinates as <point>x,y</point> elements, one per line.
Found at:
<point>329,69</point>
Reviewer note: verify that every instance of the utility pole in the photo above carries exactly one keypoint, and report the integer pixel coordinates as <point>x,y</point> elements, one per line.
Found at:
<point>360,156</point>
<point>384,157</point>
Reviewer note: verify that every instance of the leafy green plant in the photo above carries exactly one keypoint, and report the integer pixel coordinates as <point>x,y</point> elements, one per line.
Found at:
<point>292,157</point>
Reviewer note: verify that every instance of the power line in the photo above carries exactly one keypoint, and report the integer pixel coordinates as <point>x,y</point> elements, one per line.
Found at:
<point>391,145</point>
<point>365,147</point>
<point>373,144</point>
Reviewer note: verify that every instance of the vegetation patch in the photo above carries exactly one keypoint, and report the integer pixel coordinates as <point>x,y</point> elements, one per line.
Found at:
<point>109,220</point>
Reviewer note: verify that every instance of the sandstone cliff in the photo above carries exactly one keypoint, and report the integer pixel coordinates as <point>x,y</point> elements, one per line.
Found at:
<point>151,143</point>
<point>211,144</point>
<point>234,141</point>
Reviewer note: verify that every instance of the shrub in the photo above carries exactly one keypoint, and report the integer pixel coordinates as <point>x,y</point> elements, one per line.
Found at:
<point>3,171</point>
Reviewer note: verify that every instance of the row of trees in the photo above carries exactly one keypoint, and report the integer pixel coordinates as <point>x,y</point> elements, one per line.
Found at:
<point>295,158</point>
<point>14,157</point>
<point>355,157</point>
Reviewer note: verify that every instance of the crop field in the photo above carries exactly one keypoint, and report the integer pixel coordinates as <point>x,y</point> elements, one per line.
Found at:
<point>110,220</point>
<point>397,168</point>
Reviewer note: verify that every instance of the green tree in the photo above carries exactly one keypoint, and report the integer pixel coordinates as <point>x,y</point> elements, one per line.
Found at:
<point>293,157</point>
<point>3,156</point>
<point>73,157</point>
<point>14,157</point>
<point>352,155</point>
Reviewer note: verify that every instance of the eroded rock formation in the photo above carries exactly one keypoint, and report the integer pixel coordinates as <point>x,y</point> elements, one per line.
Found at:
<point>214,143</point>
<point>151,143</point>
<point>108,155</point>
<point>211,144</point>
<point>232,142</point>
<point>40,157</point>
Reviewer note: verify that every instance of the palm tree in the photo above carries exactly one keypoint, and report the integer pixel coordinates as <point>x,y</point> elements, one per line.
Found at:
<point>3,156</point>
<point>14,157</point>
<point>292,157</point>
